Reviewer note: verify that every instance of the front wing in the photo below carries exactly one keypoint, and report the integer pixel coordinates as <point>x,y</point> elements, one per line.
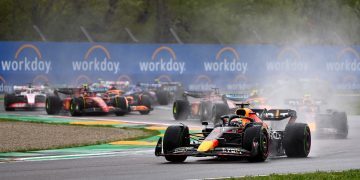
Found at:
<point>218,151</point>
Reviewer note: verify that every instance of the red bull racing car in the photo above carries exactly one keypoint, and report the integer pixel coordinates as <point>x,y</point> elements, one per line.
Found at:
<point>243,134</point>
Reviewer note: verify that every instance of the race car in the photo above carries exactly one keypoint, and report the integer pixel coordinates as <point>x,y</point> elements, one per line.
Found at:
<point>205,105</point>
<point>162,93</point>
<point>243,134</point>
<point>79,101</point>
<point>25,97</point>
<point>324,123</point>
<point>136,99</point>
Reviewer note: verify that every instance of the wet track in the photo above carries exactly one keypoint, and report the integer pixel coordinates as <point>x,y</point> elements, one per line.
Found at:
<point>333,154</point>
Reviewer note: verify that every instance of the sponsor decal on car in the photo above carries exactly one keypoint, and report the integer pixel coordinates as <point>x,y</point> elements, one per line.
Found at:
<point>288,60</point>
<point>163,60</point>
<point>93,63</point>
<point>227,60</point>
<point>26,61</point>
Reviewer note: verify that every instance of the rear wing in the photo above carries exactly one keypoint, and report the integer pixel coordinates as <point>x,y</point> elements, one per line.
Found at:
<point>197,94</point>
<point>276,114</point>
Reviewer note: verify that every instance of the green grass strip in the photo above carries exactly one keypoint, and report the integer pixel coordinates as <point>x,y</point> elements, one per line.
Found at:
<point>320,175</point>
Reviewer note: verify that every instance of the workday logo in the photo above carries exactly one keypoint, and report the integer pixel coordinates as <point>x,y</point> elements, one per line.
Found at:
<point>3,87</point>
<point>347,60</point>
<point>202,83</point>
<point>349,83</point>
<point>239,83</point>
<point>95,63</point>
<point>163,60</point>
<point>288,59</point>
<point>27,58</point>
<point>227,60</point>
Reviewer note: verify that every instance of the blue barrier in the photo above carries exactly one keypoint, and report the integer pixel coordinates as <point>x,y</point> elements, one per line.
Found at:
<point>198,66</point>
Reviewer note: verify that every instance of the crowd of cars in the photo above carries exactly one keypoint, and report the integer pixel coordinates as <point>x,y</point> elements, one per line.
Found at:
<point>235,124</point>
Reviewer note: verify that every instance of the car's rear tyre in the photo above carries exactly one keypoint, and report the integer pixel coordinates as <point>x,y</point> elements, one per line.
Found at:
<point>163,97</point>
<point>121,103</point>
<point>76,107</point>
<point>181,109</point>
<point>297,140</point>
<point>8,100</point>
<point>145,101</point>
<point>53,105</point>
<point>257,134</point>
<point>174,137</point>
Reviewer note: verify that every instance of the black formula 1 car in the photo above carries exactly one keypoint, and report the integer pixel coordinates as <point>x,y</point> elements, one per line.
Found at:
<point>79,101</point>
<point>329,123</point>
<point>26,97</point>
<point>244,134</point>
<point>162,93</point>
<point>205,105</point>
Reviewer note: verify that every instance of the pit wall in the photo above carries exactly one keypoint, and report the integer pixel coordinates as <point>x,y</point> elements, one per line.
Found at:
<point>198,66</point>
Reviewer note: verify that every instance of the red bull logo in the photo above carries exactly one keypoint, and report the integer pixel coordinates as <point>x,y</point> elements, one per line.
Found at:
<point>91,63</point>
<point>3,87</point>
<point>288,59</point>
<point>202,83</point>
<point>238,83</point>
<point>27,58</point>
<point>163,60</point>
<point>227,60</point>
<point>347,60</point>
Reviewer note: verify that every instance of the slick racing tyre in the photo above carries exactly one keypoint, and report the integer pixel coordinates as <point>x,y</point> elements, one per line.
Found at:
<point>181,109</point>
<point>217,111</point>
<point>297,140</point>
<point>163,97</point>
<point>53,105</point>
<point>174,137</point>
<point>145,100</point>
<point>8,100</point>
<point>76,106</point>
<point>257,134</point>
<point>121,103</point>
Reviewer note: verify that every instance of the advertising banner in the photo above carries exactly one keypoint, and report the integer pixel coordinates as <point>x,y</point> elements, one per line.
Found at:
<point>198,66</point>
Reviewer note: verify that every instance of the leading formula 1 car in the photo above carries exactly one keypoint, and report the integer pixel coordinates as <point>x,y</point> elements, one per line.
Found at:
<point>244,134</point>
<point>205,105</point>
<point>25,97</point>
<point>324,124</point>
<point>79,101</point>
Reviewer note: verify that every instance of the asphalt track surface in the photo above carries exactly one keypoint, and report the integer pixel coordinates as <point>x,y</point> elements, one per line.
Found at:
<point>326,155</point>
